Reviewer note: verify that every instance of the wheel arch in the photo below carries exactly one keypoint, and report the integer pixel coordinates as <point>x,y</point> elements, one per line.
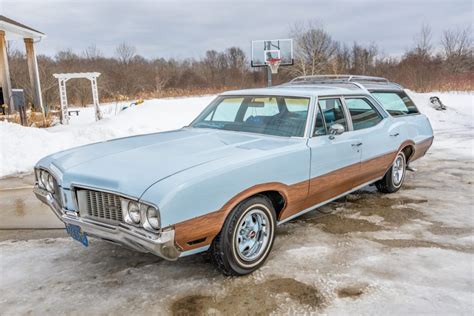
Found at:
<point>409,151</point>
<point>189,238</point>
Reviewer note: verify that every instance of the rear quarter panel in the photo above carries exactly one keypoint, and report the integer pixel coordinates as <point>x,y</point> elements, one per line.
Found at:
<point>415,127</point>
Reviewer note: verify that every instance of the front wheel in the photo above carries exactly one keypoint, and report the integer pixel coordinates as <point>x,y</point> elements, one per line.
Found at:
<point>246,238</point>
<point>393,179</point>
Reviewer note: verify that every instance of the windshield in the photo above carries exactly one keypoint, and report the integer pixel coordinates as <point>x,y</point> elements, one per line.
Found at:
<point>270,115</point>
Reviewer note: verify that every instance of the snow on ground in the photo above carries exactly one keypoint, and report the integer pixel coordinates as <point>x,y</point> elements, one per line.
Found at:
<point>453,128</point>
<point>21,147</point>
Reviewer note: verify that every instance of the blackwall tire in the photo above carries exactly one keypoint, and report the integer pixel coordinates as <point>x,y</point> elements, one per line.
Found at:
<point>393,179</point>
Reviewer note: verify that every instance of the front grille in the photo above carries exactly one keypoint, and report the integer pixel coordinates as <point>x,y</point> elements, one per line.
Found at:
<point>100,205</point>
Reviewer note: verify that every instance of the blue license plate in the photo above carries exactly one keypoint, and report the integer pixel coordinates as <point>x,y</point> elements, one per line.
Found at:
<point>76,233</point>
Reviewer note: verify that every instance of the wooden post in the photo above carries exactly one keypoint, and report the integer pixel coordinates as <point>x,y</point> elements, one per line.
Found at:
<point>34,73</point>
<point>5,74</point>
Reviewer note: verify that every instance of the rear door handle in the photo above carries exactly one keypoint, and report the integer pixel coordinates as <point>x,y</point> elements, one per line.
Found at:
<point>356,144</point>
<point>395,135</point>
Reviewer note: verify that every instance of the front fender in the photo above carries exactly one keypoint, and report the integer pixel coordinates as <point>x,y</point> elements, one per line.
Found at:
<point>200,198</point>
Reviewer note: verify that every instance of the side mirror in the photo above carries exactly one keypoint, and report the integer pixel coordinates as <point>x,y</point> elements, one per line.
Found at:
<point>335,129</point>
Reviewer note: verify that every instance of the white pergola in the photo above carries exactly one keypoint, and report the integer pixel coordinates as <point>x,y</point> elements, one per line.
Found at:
<point>63,78</point>
<point>13,30</point>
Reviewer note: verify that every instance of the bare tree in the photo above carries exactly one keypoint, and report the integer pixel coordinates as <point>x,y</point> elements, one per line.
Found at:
<point>125,53</point>
<point>363,58</point>
<point>314,48</point>
<point>423,45</point>
<point>458,50</point>
<point>92,53</point>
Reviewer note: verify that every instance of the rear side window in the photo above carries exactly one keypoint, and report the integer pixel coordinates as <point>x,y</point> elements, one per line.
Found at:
<point>363,113</point>
<point>396,102</point>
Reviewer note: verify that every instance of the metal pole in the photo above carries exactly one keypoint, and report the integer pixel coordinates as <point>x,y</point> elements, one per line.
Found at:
<point>269,76</point>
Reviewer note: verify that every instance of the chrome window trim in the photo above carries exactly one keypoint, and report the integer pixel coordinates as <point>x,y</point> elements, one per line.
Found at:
<point>310,118</point>
<point>348,115</point>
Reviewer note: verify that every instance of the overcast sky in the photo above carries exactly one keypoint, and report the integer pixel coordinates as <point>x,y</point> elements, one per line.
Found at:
<point>183,29</point>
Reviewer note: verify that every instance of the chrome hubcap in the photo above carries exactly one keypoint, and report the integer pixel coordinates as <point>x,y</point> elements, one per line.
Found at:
<point>252,235</point>
<point>398,169</point>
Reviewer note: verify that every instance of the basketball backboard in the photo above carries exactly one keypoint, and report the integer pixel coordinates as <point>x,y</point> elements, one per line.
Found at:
<point>263,50</point>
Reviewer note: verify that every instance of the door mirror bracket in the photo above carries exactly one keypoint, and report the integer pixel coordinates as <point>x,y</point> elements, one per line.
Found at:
<point>335,129</point>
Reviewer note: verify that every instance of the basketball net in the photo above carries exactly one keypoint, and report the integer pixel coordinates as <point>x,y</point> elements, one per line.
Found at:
<point>274,63</point>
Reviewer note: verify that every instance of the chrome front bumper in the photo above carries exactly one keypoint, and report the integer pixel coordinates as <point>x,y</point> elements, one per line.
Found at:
<point>131,237</point>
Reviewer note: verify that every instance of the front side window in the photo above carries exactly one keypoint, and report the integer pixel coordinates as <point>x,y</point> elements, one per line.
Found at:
<point>319,126</point>
<point>332,112</point>
<point>363,113</point>
<point>396,102</point>
<point>271,115</point>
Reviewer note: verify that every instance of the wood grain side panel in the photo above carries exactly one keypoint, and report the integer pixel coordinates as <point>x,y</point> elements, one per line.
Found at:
<point>421,148</point>
<point>208,226</point>
<point>298,196</point>
<point>203,228</point>
<point>324,187</point>
<point>375,168</point>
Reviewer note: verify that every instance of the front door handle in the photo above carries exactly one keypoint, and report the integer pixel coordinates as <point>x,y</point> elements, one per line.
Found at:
<point>395,135</point>
<point>356,145</point>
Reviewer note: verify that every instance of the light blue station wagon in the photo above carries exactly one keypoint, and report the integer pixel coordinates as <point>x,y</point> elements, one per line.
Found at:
<point>253,159</point>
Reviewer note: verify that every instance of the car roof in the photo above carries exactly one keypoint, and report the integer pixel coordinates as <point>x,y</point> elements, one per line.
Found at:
<point>325,85</point>
<point>298,91</point>
<point>349,81</point>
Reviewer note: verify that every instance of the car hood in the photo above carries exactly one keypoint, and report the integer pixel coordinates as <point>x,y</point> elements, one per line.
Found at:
<point>130,165</point>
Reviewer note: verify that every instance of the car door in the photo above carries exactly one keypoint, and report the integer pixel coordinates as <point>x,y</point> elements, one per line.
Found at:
<point>335,159</point>
<point>378,141</point>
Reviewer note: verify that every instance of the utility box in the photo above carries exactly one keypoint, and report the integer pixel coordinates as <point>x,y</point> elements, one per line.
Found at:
<point>19,101</point>
<point>19,104</point>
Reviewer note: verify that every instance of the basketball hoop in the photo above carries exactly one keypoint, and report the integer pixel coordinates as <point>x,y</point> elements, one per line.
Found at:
<point>274,63</point>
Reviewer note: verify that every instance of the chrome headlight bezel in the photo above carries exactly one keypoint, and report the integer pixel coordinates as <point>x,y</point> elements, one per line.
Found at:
<point>133,214</point>
<point>153,219</point>
<point>50,183</point>
<point>46,180</point>
<point>145,221</point>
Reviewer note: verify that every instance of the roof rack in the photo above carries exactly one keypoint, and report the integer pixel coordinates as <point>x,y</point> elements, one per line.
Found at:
<point>339,78</point>
<point>355,80</point>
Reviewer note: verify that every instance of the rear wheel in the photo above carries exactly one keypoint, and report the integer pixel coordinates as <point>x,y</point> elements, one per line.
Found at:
<point>393,179</point>
<point>246,238</point>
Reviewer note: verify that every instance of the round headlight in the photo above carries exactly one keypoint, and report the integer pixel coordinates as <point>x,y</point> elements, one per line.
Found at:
<point>134,212</point>
<point>43,178</point>
<point>50,184</point>
<point>153,217</point>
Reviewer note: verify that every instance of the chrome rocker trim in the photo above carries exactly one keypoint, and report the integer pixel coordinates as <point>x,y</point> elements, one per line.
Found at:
<point>162,245</point>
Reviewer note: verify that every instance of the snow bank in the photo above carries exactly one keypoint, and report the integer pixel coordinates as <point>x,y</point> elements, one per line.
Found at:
<point>21,147</point>
<point>453,128</point>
